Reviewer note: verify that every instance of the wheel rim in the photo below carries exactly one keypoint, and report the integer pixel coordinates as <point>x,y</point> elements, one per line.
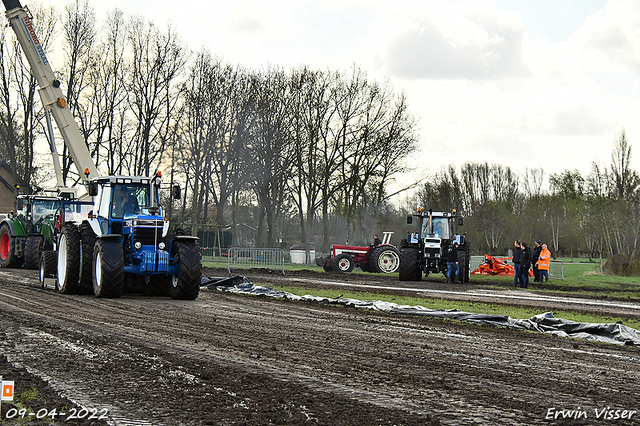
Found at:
<point>98,272</point>
<point>81,262</point>
<point>389,261</point>
<point>174,281</point>
<point>5,246</point>
<point>42,262</point>
<point>62,261</point>
<point>344,264</point>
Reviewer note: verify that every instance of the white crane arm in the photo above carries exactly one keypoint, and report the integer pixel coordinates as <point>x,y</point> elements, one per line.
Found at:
<point>49,88</point>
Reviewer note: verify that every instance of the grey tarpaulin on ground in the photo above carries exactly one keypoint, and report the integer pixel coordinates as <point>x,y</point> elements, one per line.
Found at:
<point>545,323</point>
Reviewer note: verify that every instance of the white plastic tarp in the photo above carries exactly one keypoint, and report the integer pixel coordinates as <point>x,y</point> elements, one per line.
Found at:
<point>544,323</point>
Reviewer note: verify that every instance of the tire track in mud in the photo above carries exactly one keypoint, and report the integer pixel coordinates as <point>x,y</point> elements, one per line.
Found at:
<point>233,353</point>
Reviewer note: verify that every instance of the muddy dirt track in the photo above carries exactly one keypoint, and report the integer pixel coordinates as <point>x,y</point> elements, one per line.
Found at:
<point>226,359</point>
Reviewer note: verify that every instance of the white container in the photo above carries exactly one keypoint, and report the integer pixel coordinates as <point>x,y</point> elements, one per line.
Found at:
<point>298,253</point>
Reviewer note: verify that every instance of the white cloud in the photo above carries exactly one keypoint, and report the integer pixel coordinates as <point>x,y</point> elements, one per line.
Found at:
<point>464,40</point>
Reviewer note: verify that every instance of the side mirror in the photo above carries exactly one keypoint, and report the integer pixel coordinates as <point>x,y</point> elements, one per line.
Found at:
<point>93,188</point>
<point>20,204</point>
<point>176,192</point>
<point>460,221</point>
<point>409,220</point>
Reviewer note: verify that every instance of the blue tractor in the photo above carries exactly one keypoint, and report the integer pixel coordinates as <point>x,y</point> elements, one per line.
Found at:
<point>122,243</point>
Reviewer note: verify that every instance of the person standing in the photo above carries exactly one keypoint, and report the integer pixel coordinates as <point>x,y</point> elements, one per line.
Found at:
<point>452,263</point>
<point>534,261</point>
<point>544,261</point>
<point>517,252</point>
<point>525,265</point>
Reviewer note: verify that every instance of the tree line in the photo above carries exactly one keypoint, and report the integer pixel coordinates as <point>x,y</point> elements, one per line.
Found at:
<point>596,215</point>
<point>301,155</point>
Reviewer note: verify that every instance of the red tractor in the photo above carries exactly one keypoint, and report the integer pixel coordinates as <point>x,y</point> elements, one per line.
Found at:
<point>383,258</point>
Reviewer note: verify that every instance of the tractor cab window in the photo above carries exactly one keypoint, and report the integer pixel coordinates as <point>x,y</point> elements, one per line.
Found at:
<point>43,209</point>
<point>440,228</point>
<point>130,199</point>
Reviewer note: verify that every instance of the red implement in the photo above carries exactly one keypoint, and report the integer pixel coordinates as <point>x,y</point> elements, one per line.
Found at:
<point>496,266</point>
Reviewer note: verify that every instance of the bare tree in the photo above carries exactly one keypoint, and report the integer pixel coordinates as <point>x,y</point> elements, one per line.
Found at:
<point>532,180</point>
<point>45,21</point>
<point>442,191</point>
<point>231,102</point>
<point>312,112</point>
<point>105,107</point>
<point>157,59</point>
<point>476,178</point>
<point>79,36</point>
<point>214,126</point>
<point>9,118</point>
<point>626,181</point>
<point>271,148</point>
<point>598,191</point>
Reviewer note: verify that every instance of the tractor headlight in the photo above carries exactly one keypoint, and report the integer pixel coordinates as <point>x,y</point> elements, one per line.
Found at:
<point>138,245</point>
<point>161,246</point>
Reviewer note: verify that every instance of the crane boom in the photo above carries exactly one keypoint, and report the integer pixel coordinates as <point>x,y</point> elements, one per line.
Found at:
<point>49,87</point>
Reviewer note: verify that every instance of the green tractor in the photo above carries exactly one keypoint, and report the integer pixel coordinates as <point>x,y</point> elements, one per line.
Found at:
<point>28,230</point>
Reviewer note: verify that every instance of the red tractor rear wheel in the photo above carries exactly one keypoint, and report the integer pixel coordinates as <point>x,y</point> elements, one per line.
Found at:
<point>385,259</point>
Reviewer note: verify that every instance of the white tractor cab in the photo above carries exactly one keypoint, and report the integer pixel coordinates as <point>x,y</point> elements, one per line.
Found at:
<point>425,252</point>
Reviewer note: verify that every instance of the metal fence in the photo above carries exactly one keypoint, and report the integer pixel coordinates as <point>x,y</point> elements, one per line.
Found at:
<point>241,257</point>
<point>209,253</point>
<point>474,262</point>
<point>556,269</point>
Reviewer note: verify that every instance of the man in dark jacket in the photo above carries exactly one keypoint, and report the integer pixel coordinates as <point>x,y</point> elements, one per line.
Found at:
<point>534,261</point>
<point>525,265</point>
<point>517,252</point>
<point>452,263</point>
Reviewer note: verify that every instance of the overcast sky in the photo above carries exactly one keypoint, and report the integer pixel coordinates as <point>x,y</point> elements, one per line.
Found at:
<point>537,83</point>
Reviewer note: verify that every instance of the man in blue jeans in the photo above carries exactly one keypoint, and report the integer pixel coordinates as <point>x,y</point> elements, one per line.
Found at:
<point>517,253</point>
<point>452,263</point>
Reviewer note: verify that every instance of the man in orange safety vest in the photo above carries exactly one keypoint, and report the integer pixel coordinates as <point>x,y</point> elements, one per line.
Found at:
<point>544,260</point>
